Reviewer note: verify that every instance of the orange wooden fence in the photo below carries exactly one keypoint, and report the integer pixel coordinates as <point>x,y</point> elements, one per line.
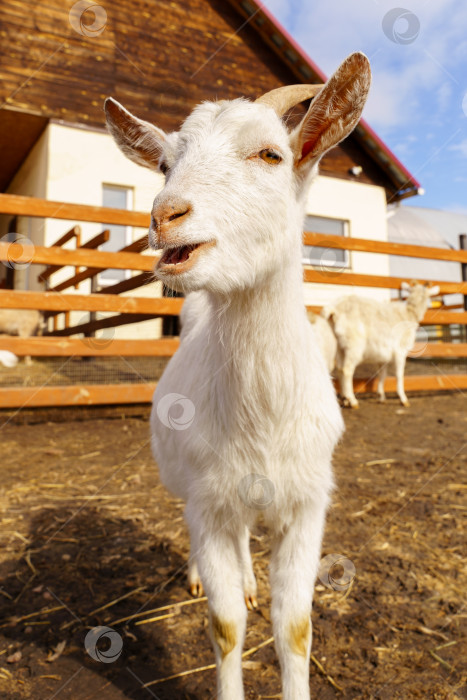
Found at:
<point>87,262</point>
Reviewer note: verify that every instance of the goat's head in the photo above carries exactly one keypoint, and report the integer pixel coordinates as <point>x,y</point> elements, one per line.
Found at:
<point>231,210</point>
<point>419,291</point>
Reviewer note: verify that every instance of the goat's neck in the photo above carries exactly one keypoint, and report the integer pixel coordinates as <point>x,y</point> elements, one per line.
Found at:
<point>256,320</point>
<point>416,308</point>
<point>260,338</point>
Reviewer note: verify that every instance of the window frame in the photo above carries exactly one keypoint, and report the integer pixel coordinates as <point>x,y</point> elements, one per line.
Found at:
<point>316,262</point>
<point>109,281</point>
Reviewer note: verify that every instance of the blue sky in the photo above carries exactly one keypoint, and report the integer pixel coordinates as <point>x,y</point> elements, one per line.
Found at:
<point>418,100</point>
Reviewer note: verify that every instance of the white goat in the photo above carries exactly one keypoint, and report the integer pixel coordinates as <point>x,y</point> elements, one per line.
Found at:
<point>326,339</point>
<point>21,322</point>
<point>259,414</point>
<point>378,333</point>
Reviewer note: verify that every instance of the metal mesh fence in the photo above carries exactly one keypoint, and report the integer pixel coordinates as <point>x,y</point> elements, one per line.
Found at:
<point>67,371</point>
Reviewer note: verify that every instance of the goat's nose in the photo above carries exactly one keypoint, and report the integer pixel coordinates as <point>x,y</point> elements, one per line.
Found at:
<point>164,215</point>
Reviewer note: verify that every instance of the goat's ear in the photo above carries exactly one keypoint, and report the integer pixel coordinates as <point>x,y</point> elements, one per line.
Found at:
<point>434,291</point>
<point>140,141</point>
<point>333,113</point>
<point>405,286</point>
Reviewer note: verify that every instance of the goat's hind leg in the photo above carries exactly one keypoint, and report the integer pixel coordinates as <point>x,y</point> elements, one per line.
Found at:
<point>382,372</point>
<point>347,372</point>
<point>194,579</point>
<point>294,564</point>
<point>249,580</point>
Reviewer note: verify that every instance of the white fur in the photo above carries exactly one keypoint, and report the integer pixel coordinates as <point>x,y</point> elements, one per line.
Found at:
<point>374,332</point>
<point>326,339</point>
<point>22,322</point>
<point>259,417</point>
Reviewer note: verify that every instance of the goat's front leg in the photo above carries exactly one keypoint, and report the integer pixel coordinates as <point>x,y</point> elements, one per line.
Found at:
<point>294,564</point>
<point>221,573</point>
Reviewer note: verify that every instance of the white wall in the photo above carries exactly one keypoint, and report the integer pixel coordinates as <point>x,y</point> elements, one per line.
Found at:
<point>364,207</point>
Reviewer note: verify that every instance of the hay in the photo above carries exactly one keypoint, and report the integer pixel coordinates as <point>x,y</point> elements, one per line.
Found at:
<point>191,671</point>
<point>156,610</point>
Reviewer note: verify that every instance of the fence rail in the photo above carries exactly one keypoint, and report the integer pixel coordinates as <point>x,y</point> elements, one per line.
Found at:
<point>19,205</point>
<point>94,394</point>
<point>54,301</point>
<point>89,262</point>
<point>89,347</point>
<point>367,246</point>
<point>54,346</point>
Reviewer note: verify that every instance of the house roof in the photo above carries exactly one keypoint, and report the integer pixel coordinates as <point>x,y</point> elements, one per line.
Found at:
<point>449,224</point>
<point>291,53</point>
<point>407,225</point>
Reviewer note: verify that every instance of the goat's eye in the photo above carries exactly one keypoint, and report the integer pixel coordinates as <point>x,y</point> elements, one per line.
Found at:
<point>270,156</point>
<point>163,167</point>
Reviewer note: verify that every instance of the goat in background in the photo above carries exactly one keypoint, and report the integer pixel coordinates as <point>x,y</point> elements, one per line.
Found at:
<point>376,332</point>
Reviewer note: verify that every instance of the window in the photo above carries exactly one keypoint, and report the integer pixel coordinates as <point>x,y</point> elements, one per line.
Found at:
<point>120,236</point>
<point>330,257</point>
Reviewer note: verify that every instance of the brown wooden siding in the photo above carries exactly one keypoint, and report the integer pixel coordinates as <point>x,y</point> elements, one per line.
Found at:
<point>158,58</point>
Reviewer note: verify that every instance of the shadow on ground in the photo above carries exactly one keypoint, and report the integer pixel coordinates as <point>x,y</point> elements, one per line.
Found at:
<point>77,564</point>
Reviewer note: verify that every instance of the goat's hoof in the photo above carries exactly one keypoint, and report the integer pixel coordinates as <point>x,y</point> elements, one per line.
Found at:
<point>251,601</point>
<point>347,403</point>
<point>406,403</point>
<point>382,399</point>
<point>196,589</point>
<point>354,406</point>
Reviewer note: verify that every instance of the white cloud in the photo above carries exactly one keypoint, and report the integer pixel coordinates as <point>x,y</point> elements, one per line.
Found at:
<point>460,147</point>
<point>444,96</point>
<point>404,76</point>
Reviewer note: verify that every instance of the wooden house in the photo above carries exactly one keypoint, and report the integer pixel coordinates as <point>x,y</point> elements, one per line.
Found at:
<point>59,61</point>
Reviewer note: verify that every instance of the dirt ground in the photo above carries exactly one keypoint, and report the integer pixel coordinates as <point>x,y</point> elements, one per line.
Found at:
<point>90,538</point>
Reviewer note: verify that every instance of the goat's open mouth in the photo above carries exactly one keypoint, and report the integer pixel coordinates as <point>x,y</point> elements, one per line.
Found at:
<point>182,257</point>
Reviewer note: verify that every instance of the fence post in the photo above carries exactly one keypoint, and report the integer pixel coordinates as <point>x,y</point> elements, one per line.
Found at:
<point>463,246</point>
